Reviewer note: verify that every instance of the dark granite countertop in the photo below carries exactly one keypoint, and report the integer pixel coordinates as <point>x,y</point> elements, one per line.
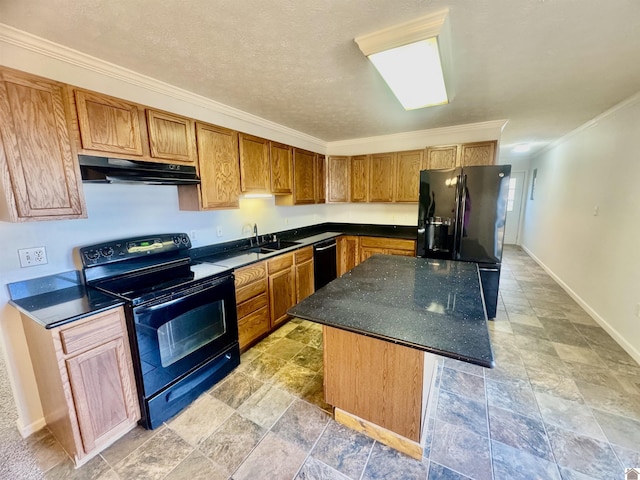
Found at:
<point>431,305</point>
<point>58,299</point>
<point>61,298</point>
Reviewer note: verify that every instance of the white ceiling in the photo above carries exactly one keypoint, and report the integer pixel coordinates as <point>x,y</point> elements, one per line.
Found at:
<point>547,66</point>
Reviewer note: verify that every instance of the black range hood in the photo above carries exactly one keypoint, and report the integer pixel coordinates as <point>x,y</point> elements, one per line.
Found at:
<point>117,170</point>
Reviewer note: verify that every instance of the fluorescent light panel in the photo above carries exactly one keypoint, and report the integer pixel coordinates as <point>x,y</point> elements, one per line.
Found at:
<point>408,57</point>
<point>413,73</point>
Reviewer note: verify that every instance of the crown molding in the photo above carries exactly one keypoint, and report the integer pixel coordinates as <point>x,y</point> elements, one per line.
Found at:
<point>480,128</point>
<point>18,38</point>
<point>587,125</point>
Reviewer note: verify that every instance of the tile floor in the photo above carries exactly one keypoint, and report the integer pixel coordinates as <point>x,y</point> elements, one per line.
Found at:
<point>562,403</point>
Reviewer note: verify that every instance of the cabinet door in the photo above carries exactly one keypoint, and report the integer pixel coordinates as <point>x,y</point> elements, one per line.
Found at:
<point>479,153</point>
<point>282,295</point>
<point>382,168</point>
<point>321,179</point>
<point>281,164</point>
<point>103,392</point>
<point>366,252</point>
<point>109,124</point>
<point>219,168</point>
<point>304,280</point>
<point>303,177</point>
<point>338,179</point>
<point>254,164</point>
<point>348,255</point>
<point>408,176</point>
<point>441,157</point>
<point>37,163</point>
<point>359,178</point>
<point>171,137</point>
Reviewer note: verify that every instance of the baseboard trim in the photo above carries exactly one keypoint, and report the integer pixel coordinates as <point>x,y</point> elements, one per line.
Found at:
<point>30,429</point>
<point>635,354</point>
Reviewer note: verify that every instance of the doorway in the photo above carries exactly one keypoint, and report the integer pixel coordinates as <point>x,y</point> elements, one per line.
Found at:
<point>514,207</point>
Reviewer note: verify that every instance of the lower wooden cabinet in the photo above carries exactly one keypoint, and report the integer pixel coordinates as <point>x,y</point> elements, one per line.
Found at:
<point>282,291</point>
<point>353,250</point>
<point>305,285</point>
<point>85,380</point>
<point>252,304</point>
<point>348,254</point>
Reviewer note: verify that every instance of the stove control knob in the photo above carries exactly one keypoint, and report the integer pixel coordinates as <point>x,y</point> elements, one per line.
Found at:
<point>106,251</point>
<point>176,240</point>
<point>185,240</point>
<point>92,254</point>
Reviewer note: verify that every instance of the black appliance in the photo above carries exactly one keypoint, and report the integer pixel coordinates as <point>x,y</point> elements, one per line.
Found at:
<point>461,216</point>
<point>324,262</point>
<point>116,170</point>
<point>181,317</point>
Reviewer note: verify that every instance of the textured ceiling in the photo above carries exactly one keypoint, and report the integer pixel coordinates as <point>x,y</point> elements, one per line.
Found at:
<point>545,65</point>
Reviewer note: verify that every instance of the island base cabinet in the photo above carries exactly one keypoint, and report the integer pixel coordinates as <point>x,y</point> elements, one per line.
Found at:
<point>379,388</point>
<point>85,379</point>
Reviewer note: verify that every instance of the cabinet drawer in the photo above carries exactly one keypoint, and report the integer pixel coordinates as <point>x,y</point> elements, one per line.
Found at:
<point>251,305</point>
<point>253,289</point>
<point>382,242</point>
<point>94,332</point>
<point>244,276</point>
<point>280,263</point>
<point>253,326</point>
<point>303,254</point>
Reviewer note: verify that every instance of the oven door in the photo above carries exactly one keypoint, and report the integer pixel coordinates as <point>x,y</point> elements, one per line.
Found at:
<point>177,334</point>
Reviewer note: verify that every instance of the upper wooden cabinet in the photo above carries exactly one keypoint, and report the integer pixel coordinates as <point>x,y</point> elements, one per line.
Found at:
<point>39,173</point>
<point>219,171</point>
<point>445,156</point>
<point>479,153</point>
<point>358,178</point>
<point>281,166</point>
<point>254,164</point>
<point>382,169</point>
<point>408,165</point>
<point>171,137</point>
<point>109,125</point>
<point>338,179</point>
<point>321,178</point>
<point>304,181</point>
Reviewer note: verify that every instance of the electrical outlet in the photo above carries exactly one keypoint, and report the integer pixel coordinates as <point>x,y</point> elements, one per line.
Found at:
<point>32,256</point>
<point>193,235</point>
<point>638,310</point>
<point>219,231</point>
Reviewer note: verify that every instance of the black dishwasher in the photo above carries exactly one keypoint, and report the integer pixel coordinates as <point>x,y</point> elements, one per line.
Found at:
<point>324,262</point>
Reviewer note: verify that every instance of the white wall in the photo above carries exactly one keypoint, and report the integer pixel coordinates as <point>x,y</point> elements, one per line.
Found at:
<point>596,258</point>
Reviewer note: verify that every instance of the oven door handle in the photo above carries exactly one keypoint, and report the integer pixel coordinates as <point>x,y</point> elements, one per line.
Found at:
<point>180,296</point>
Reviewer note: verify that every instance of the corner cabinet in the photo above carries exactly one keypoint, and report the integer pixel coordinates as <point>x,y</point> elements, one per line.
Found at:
<point>85,379</point>
<point>39,174</point>
<point>309,180</point>
<point>219,171</point>
<point>338,179</point>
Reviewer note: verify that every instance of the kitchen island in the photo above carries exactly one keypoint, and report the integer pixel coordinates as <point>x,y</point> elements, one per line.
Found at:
<point>386,324</point>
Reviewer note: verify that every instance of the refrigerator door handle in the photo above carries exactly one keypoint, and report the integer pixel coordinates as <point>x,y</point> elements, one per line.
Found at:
<point>460,207</point>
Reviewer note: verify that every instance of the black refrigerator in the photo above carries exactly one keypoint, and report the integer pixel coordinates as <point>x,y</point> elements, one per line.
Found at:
<point>461,216</point>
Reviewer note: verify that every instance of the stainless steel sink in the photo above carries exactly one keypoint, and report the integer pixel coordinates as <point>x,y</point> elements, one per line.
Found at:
<point>273,246</point>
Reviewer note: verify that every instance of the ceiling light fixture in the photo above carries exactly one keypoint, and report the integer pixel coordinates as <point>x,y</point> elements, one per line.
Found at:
<point>413,58</point>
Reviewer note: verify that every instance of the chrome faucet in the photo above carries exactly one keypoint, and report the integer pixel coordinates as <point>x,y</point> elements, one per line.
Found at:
<point>255,232</point>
